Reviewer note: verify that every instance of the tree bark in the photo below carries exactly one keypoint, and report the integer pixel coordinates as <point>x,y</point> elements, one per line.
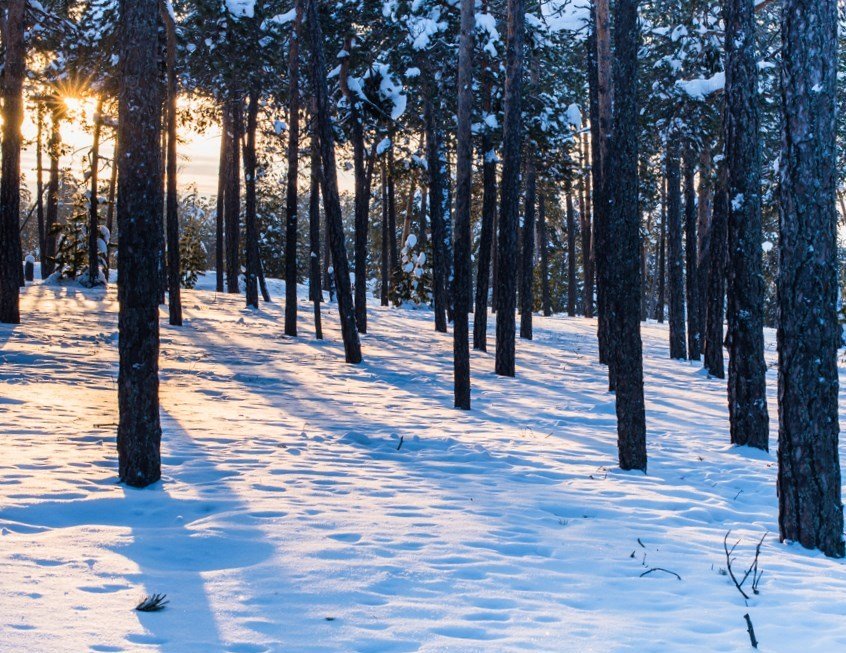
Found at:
<point>809,483</point>
<point>232,196</point>
<point>437,205</point>
<point>745,315</point>
<point>174,280</point>
<point>543,240</point>
<point>39,184</point>
<point>251,235</point>
<point>675,265</point>
<point>527,258</point>
<point>571,249</point>
<point>54,149</point>
<point>510,190</point>
<point>139,221</point>
<point>93,201</point>
<point>662,257</point>
<point>385,265</point>
<point>329,180</point>
<point>624,286</point>
<point>717,277</point>
<point>314,284</point>
<point>691,255</point>
<point>222,181</point>
<point>291,198</point>
<point>14,71</point>
<point>587,230</point>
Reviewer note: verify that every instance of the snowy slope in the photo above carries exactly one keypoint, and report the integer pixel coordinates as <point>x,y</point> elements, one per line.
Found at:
<point>291,519</point>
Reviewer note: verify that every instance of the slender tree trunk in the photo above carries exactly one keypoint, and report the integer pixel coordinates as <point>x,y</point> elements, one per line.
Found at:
<point>463,284</point>
<point>587,230</point>
<point>571,249</point>
<point>527,259</point>
<point>93,202</point>
<point>54,149</point>
<point>705,205</point>
<point>624,286</point>
<point>314,285</point>
<point>662,256</point>
<point>717,277</point>
<point>174,279</point>
<point>809,483</point>
<point>14,70</point>
<point>393,252</point>
<point>745,315</point>
<point>383,293</point>
<point>222,181</point>
<point>293,172</point>
<point>139,222</point>
<point>39,184</point>
<point>510,189</point>
<point>543,239</point>
<point>329,180</point>
<point>486,235</point>
<point>437,193</point>
<point>691,256</point>
<point>110,209</point>
<point>251,235</point>
<point>232,196</point>
<point>675,264</point>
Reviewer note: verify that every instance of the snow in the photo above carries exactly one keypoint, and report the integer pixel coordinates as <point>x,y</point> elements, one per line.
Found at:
<point>241,8</point>
<point>309,505</point>
<point>702,87</point>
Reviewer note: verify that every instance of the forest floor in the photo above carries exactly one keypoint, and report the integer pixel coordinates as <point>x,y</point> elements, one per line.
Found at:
<point>309,505</point>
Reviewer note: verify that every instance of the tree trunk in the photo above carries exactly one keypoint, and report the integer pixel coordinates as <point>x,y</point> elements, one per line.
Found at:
<point>463,282</point>
<point>14,70</point>
<point>329,180</point>
<point>222,181</point>
<point>393,252</point>
<point>705,206</point>
<point>691,255</point>
<point>510,189</point>
<point>93,202</point>
<point>717,276</point>
<point>675,264</point>
<point>571,249</point>
<point>662,257</point>
<point>745,314</point>
<point>314,286</point>
<point>587,230</point>
<point>385,265</point>
<point>293,172</point>
<point>174,280</point>
<point>54,149</point>
<point>232,196</point>
<point>624,286</point>
<point>527,259</point>
<point>251,235</point>
<point>437,195</point>
<point>110,209</point>
<point>809,484</point>
<point>543,240</point>
<point>39,185</point>
<point>139,222</point>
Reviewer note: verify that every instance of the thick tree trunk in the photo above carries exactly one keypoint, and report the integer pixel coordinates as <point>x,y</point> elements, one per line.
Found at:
<point>571,249</point>
<point>14,70</point>
<point>139,222</point>
<point>437,205</point>
<point>624,285</point>
<point>174,301</point>
<point>329,181</point>
<point>251,235</point>
<point>543,243</point>
<point>717,276</point>
<point>94,201</point>
<point>232,196</point>
<point>809,484</point>
<point>747,396</point>
<point>291,207</point>
<point>527,258</point>
<point>222,180</point>
<point>691,256</point>
<point>510,189</point>
<point>314,286</point>
<point>463,281</point>
<point>675,264</point>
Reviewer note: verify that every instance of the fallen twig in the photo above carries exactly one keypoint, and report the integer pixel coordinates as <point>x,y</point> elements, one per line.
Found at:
<point>666,571</point>
<point>751,631</point>
<point>152,603</point>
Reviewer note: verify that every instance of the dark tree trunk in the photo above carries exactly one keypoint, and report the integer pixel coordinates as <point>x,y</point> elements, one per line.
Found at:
<point>314,286</point>
<point>329,180</point>
<point>463,282</point>
<point>510,189</point>
<point>624,285</point>
<point>809,484</point>
<point>222,180</point>
<point>14,70</point>
<point>662,257</point>
<point>717,276</point>
<point>54,149</point>
<point>543,242</point>
<point>251,235</point>
<point>293,172</point>
<point>437,202</point>
<point>571,249</point>
<point>39,184</point>
<point>486,236</point>
<point>587,231</point>
<point>527,258</point>
<point>385,265</point>
<point>705,206</point>
<point>602,191</point>
<point>747,396</point>
<point>392,220</point>
<point>675,264</point>
<point>232,196</point>
<point>139,221</point>
<point>110,209</point>
<point>691,256</point>
<point>94,202</point>
<point>174,301</point>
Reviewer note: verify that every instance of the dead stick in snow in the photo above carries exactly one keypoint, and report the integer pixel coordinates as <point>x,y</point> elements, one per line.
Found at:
<point>751,631</point>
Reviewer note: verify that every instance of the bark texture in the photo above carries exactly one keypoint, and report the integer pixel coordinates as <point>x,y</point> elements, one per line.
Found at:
<point>675,265</point>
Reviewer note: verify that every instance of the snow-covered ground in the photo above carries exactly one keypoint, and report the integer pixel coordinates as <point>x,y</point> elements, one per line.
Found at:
<point>308,505</point>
